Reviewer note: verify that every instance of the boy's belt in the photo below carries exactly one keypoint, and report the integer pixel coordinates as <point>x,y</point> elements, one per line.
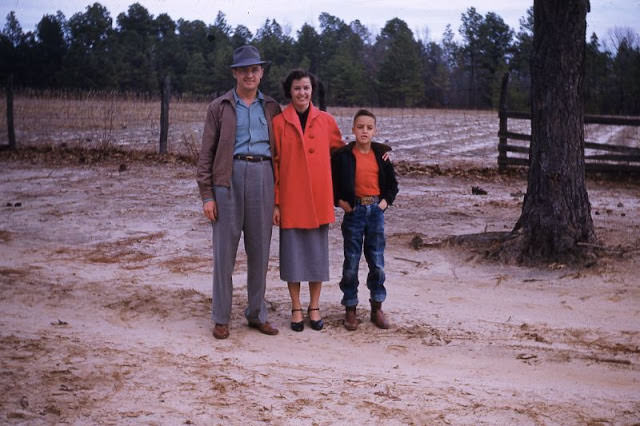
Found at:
<point>369,199</point>
<point>252,158</point>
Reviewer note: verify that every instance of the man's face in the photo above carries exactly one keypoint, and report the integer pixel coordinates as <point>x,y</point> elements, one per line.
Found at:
<point>248,78</point>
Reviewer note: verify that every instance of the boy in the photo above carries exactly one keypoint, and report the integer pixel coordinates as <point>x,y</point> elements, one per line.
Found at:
<point>364,186</point>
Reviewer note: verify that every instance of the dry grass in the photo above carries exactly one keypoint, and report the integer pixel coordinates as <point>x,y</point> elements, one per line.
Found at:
<point>64,155</point>
<point>190,146</point>
<point>5,236</point>
<point>101,120</point>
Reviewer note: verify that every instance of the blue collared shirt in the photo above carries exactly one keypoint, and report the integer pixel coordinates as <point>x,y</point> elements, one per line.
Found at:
<point>252,132</point>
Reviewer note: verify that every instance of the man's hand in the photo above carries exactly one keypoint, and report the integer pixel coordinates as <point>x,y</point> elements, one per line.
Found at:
<point>276,216</point>
<point>387,156</point>
<point>383,204</point>
<point>345,206</point>
<point>210,210</point>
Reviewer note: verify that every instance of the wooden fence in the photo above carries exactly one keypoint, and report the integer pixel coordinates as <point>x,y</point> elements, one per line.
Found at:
<point>601,157</point>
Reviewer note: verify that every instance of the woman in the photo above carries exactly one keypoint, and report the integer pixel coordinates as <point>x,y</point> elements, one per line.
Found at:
<point>304,137</point>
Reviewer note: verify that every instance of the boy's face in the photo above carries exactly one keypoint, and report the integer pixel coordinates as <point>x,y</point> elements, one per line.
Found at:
<point>364,128</point>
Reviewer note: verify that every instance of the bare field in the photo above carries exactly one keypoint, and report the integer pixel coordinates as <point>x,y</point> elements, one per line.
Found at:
<point>427,136</point>
<point>105,291</point>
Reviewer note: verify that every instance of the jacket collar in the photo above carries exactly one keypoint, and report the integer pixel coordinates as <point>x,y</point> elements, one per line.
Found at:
<point>236,98</point>
<point>291,116</point>
<point>230,97</point>
<point>377,147</point>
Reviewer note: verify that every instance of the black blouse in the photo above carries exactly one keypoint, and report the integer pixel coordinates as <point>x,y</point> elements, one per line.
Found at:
<point>303,118</point>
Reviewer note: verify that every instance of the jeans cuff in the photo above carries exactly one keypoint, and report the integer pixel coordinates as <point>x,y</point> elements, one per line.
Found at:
<point>349,302</point>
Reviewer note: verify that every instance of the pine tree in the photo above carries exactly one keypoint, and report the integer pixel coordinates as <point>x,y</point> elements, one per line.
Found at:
<point>399,78</point>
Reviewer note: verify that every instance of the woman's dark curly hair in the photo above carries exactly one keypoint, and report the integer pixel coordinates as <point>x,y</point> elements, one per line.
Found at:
<point>297,74</point>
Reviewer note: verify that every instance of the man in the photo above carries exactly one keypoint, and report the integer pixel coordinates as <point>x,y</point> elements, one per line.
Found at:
<point>235,179</point>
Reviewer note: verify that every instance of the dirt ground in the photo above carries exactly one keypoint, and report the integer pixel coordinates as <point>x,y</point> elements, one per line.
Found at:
<point>105,278</point>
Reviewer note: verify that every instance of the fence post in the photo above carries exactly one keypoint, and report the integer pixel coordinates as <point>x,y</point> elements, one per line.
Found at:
<point>502,132</point>
<point>10,128</point>
<point>164,114</point>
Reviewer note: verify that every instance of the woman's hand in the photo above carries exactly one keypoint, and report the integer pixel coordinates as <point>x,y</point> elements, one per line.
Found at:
<point>276,216</point>
<point>210,210</point>
<point>345,206</point>
<point>383,204</point>
<point>387,156</point>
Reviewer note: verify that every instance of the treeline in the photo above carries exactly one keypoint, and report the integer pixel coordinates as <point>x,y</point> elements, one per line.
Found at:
<point>393,68</point>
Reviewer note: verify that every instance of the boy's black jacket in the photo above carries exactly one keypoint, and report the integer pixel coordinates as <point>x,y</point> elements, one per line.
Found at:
<point>343,169</point>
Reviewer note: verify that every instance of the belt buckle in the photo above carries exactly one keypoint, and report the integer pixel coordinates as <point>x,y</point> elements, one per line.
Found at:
<point>251,158</point>
<point>365,201</point>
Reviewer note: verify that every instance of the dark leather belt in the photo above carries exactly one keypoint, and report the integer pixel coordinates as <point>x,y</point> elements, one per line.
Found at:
<point>252,158</point>
<point>370,199</point>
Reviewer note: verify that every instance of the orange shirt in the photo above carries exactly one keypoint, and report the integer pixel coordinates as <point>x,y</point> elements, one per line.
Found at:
<point>367,182</point>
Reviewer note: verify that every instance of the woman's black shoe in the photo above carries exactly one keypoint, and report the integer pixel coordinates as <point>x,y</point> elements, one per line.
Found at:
<point>297,326</point>
<point>316,325</point>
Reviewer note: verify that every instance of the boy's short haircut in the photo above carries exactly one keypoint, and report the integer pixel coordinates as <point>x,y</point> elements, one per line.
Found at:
<point>364,112</point>
<point>297,74</point>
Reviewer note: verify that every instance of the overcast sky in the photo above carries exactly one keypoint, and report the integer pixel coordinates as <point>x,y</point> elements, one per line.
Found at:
<point>291,14</point>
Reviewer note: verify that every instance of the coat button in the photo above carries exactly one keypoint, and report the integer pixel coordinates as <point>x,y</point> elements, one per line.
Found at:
<point>311,150</point>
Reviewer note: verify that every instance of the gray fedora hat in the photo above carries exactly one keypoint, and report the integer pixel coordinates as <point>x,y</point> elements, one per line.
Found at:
<point>247,55</point>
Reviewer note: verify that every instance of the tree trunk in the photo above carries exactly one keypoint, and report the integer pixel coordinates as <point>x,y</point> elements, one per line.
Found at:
<point>556,214</point>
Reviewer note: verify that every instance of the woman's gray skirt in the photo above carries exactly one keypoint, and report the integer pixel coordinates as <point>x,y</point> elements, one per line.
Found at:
<point>304,254</point>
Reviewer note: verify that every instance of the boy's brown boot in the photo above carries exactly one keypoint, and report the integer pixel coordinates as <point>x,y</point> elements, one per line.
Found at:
<point>377,316</point>
<point>350,318</point>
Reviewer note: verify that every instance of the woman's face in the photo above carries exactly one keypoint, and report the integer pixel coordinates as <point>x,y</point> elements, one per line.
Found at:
<point>301,94</point>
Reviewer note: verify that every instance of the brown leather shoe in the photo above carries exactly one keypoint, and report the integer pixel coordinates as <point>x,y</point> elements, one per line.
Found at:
<point>350,318</point>
<point>221,331</point>
<point>377,316</point>
<point>264,328</point>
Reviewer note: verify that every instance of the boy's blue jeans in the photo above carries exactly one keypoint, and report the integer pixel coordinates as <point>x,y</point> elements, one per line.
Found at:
<point>363,224</point>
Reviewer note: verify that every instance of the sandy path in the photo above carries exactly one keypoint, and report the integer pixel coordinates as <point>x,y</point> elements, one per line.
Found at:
<point>105,305</point>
